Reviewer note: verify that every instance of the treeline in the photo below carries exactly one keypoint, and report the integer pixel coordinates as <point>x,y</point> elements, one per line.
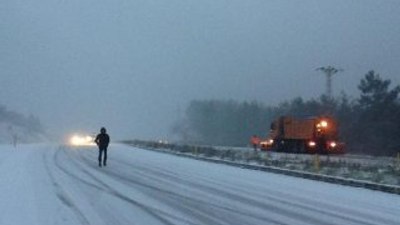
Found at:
<point>369,124</point>
<point>14,125</point>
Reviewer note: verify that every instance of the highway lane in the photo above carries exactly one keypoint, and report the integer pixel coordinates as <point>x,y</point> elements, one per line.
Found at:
<point>144,187</point>
<point>182,191</point>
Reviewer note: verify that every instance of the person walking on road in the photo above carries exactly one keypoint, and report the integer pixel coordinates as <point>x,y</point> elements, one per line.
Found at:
<point>102,140</point>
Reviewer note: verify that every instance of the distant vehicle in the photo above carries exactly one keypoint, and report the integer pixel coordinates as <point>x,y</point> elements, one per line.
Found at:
<point>303,135</point>
<point>81,140</point>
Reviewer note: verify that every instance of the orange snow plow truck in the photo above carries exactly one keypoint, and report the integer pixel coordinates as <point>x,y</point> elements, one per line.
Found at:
<point>307,135</point>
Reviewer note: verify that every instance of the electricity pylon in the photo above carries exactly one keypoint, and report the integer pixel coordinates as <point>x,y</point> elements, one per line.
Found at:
<point>329,71</point>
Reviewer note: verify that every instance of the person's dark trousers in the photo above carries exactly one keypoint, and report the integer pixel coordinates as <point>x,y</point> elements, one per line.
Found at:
<point>101,150</point>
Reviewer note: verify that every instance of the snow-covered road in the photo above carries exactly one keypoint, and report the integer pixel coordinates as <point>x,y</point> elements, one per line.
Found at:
<point>49,184</point>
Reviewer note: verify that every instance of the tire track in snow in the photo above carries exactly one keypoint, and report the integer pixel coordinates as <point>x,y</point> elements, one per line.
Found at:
<point>138,181</point>
<point>201,206</point>
<point>228,195</point>
<point>155,213</point>
<point>62,195</point>
<point>300,203</point>
<point>202,211</point>
<point>205,209</point>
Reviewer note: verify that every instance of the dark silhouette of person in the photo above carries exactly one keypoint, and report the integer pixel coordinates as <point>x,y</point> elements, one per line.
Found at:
<point>102,140</point>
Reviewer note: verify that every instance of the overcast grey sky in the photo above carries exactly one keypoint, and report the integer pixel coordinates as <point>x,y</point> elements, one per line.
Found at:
<point>133,65</point>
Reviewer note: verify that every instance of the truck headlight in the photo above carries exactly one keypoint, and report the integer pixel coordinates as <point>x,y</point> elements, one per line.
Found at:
<point>312,143</point>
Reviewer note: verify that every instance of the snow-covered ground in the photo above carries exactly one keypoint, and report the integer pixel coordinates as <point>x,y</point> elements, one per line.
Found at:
<point>49,184</point>
<point>372,172</point>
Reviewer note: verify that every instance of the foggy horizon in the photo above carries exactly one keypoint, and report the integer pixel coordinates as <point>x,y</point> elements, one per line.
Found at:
<point>133,66</point>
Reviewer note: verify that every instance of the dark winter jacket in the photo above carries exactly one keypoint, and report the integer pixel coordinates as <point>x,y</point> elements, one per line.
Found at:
<point>102,140</point>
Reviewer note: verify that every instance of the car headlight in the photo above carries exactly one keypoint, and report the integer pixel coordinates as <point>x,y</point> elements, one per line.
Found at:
<point>78,140</point>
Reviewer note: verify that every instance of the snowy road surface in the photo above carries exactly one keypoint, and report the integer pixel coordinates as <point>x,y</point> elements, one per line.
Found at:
<point>48,185</point>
